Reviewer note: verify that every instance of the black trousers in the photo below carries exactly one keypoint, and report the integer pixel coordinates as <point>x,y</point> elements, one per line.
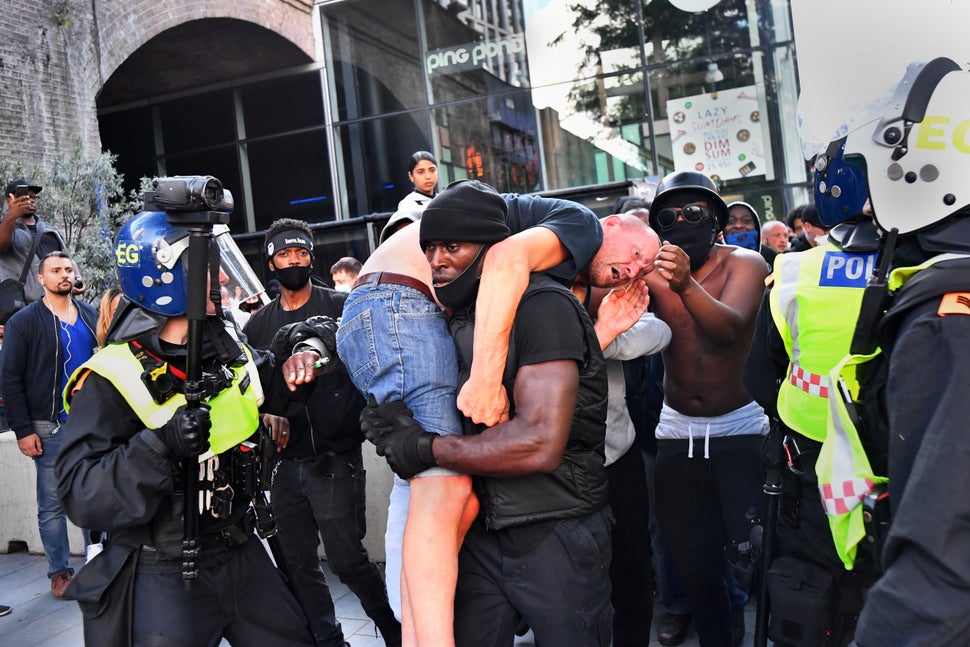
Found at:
<point>558,585</point>
<point>242,599</point>
<point>324,498</point>
<point>702,506</point>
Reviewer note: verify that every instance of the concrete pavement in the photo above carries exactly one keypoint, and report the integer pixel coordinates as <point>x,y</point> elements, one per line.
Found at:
<point>38,620</point>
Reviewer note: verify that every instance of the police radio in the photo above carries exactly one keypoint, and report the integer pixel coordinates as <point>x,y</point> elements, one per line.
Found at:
<point>875,300</point>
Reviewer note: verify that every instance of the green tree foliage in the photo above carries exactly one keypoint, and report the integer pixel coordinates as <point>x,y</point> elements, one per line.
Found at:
<point>669,35</point>
<point>83,197</point>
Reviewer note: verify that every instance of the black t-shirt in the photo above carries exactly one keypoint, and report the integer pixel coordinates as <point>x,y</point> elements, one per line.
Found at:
<point>333,411</point>
<point>547,329</point>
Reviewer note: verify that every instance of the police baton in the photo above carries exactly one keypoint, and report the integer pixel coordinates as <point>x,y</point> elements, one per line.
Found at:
<point>773,490</point>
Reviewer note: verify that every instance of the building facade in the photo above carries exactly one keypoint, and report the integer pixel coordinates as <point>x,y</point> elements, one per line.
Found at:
<point>310,110</point>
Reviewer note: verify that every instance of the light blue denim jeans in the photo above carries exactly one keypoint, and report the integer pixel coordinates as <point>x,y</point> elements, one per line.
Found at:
<point>51,520</point>
<point>395,343</point>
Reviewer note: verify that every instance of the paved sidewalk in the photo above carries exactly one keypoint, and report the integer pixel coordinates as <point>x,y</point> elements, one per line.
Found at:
<point>38,620</point>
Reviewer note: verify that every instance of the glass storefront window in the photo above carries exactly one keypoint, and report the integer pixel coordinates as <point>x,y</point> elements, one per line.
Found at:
<point>375,155</point>
<point>494,140</point>
<point>198,121</point>
<point>281,105</point>
<point>290,178</point>
<point>374,53</point>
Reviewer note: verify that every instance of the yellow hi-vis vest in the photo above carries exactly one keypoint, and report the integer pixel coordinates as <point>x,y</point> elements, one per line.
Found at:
<point>234,413</point>
<point>815,299</point>
<point>844,474</point>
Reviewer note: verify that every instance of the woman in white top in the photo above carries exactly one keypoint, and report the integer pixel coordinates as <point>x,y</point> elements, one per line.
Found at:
<point>423,173</point>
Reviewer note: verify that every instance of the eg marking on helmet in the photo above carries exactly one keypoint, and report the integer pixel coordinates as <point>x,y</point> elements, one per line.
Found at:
<point>127,254</point>
<point>932,134</point>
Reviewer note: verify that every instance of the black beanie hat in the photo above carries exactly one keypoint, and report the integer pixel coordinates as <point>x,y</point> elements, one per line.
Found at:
<point>467,211</point>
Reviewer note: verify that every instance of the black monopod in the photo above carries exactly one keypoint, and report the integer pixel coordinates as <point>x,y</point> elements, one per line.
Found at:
<point>190,204</point>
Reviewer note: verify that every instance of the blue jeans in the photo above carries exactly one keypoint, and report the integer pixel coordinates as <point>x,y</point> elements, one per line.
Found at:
<point>395,343</point>
<point>50,515</point>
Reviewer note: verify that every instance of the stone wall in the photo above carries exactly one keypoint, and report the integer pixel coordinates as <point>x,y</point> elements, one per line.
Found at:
<point>55,56</point>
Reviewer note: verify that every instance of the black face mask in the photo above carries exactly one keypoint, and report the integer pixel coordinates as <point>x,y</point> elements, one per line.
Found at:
<point>293,277</point>
<point>695,239</point>
<point>463,289</point>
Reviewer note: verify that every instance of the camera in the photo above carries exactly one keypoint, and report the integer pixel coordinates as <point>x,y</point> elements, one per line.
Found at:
<point>20,190</point>
<point>78,284</point>
<point>190,193</point>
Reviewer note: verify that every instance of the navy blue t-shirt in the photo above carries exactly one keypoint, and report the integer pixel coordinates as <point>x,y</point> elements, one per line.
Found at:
<point>577,228</point>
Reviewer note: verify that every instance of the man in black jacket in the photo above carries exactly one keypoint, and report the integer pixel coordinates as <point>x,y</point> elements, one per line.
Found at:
<point>45,342</point>
<point>319,486</point>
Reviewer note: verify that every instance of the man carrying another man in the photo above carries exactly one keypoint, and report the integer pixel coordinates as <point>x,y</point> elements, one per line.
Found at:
<point>416,360</point>
<point>542,484</point>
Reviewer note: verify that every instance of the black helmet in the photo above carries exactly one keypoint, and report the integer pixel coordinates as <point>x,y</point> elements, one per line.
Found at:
<point>693,182</point>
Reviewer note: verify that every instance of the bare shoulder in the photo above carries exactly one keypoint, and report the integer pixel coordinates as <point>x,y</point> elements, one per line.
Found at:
<point>740,259</point>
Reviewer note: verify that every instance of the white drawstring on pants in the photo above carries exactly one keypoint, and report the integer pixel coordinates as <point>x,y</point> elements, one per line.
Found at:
<point>690,441</point>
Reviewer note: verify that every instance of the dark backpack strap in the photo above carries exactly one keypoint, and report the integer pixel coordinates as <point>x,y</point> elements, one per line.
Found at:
<point>33,250</point>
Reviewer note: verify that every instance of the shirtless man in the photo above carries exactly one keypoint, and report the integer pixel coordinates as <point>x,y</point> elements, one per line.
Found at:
<point>710,429</point>
<point>395,342</point>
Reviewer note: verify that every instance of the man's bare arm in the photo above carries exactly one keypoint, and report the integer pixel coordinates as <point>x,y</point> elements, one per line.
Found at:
<point>534,440</point>
<point>17,207</point>
<point>505,277</point>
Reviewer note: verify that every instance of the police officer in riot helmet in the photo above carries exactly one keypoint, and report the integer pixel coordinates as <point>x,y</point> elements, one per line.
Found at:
<point>796,344</point>
<point>131,440</point>
<point>915,155</point>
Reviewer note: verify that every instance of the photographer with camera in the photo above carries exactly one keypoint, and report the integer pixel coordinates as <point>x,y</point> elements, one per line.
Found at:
<point>159,448</point>
<point>45,343</point>
<point>24,241</point>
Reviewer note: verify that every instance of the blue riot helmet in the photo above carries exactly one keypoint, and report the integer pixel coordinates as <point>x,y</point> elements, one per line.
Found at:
<point>150,258</point>
<point>840,186</point>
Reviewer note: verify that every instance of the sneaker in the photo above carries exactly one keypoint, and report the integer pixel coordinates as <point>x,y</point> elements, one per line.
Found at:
<point>5,610</point>
<point>673,628</point>
<point>59,582</point>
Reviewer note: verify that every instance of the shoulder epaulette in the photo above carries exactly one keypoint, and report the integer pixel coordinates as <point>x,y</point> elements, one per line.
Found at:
<point>954,303</point>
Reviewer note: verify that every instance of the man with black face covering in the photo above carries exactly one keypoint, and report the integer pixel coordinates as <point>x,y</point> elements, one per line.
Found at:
<point>415,361</point>
<point>538,550</point>
<point>710,430</point>
<point>319,486</point>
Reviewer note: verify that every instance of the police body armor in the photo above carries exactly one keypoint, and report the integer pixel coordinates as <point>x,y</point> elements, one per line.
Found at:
<point>227,472</point>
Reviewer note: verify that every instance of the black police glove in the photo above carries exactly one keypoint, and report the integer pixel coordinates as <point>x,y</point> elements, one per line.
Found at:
<point>318,333</point>
<point>187,433</point>
<point>398,437</point>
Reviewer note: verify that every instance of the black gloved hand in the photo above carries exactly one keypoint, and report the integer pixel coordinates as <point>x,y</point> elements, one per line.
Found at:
<point>302,333</point>
<point>187,433</point>
<point>398,437</point>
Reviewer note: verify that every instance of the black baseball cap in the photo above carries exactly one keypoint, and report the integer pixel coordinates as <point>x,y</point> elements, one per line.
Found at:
<point>11,187</point>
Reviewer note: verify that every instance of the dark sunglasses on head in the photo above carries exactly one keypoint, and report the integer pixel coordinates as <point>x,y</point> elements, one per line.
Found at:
<point>692,213</point>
